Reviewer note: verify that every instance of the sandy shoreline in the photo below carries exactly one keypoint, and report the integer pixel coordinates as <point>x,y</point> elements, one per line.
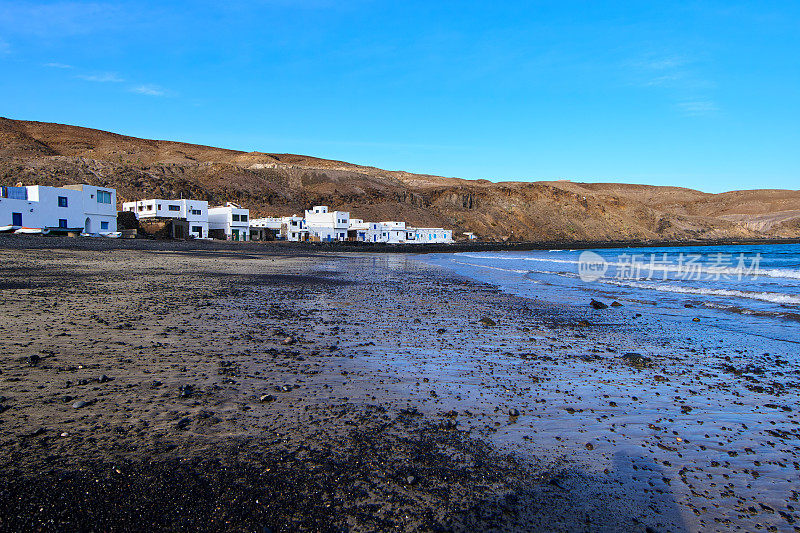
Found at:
<point>293,391</point>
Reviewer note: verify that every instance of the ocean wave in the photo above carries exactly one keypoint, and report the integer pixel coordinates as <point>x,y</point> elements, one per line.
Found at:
<point>491,267</point>
<point>694,269</point>
<point>773,297</point>
<point>754,312</point>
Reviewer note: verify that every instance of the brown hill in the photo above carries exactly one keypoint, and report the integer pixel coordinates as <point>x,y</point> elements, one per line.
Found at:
<point>56,154</point>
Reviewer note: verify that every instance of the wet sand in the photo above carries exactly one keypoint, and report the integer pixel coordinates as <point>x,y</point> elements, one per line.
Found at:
<point>279,391</point>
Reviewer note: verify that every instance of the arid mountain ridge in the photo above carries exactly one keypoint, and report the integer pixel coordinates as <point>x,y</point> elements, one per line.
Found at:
<point>281,184</point>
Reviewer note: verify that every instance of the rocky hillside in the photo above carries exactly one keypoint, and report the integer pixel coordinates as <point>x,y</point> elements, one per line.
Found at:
<point>274,184</point>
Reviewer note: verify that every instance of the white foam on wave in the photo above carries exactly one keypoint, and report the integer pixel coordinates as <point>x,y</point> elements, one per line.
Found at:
<point>773,297</point>
<point>491,267</point>
<point>694,269</point>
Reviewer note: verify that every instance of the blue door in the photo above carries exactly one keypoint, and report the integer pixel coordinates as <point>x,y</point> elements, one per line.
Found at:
<point>16,219</point>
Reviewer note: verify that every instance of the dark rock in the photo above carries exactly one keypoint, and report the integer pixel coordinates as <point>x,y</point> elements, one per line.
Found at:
<point>185,391</point>
<point>33,360</point>
<point>636,360</point>
<point>103,379</point>
<point>487,322</point>
<point>183,423</point>
<point>597,305</point>
<point>589,446</point>
<point>616,304</point>
<point>513,412</point>
<point>79,404</point>
<point>267,398</point>
<point>155,384</point>
<point>288,341</point>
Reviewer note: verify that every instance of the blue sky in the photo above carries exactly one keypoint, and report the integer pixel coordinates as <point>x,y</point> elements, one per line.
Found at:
<point>697,94</point>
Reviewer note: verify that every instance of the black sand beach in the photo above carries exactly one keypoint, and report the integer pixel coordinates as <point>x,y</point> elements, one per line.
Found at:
<point>276,389</point>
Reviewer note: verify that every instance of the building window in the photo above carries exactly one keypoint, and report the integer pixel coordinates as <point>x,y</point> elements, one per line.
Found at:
<point>103,197</point>
<point>243,218</point>
<point>62,222</point>
<point>198,230</point>
<point>62,202</point>
<point>196,212</point>
<point>16,219</point>
<point>174,208</point>
<point>235,217</point>
<point>104,225</point>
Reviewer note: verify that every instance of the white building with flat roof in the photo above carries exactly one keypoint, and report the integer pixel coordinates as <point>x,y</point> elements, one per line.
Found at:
<point>291,228</point>
<point>229,222</point>
<point>432,235</point>
<point>392,232</point>
<point>324,225</point>
<point>195,212</point>
<point>80,208</point>
<point>357,230</point>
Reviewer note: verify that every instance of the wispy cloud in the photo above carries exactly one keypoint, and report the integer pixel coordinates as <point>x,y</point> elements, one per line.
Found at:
<point>680,79</point>
<point>696,108</point>
<point>661,71</point>
<point>105,77</point>
<point>149,90</point>
<point>57,65</point>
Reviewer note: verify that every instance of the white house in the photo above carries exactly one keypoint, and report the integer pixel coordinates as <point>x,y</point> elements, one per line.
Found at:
<point>85,208</point>
<point>229,222</point>
<point>195,212</point>
<point>391,232</point>
<point>327,226</point>
<point>433,236</point>
<point>357,230</point>
<point>291,228</point>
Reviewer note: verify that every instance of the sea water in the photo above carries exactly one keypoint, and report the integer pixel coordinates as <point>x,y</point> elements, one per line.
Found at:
<point>754,290</point>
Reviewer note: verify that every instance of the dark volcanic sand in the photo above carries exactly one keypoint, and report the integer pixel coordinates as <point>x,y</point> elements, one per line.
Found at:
<point>389,407</point>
